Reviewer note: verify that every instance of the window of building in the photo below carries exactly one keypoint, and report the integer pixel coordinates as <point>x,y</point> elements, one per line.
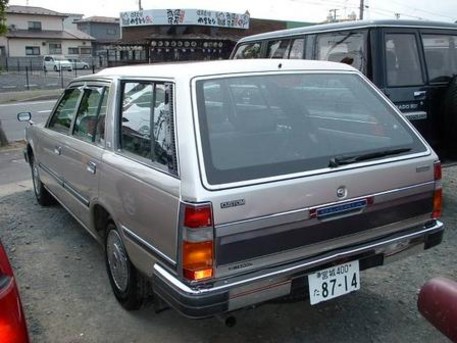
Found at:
<point>111,32</point>
<point>73,51</point>
<point>34,25</point>
<point>32,50</point>
<point>55,48</point>
<point>85,51</point>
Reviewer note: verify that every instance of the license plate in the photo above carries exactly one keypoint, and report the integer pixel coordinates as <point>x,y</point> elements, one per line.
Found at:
<point>332,282</point>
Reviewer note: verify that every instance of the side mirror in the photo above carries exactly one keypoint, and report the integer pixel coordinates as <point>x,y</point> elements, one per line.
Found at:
<point>24,116</point>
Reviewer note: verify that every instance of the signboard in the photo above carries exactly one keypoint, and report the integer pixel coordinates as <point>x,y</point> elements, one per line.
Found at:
<point>185,17</point>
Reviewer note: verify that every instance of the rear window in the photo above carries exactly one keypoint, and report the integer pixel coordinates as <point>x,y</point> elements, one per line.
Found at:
<point>261,126</point>
<point>440,56</point>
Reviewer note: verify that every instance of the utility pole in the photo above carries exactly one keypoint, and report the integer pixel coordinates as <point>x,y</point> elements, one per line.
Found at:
<point>362,6</point>
<point>334,10</point>
<point>140,8</point>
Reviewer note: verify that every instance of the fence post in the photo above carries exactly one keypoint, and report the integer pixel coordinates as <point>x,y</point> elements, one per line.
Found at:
<point>18,65</point>
<point>6,64</point>
<point>61,76</point>
<point>27,85</point>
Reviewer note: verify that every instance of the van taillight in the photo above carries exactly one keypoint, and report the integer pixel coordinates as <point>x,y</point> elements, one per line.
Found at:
<point>198,244</point>
<point>438,193</point>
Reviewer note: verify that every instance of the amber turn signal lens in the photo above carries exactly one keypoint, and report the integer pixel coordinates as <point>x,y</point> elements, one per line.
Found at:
<point>198,260</point>
<point>437,203</point>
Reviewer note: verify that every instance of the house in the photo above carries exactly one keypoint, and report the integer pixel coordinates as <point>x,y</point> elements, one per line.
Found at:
<point>37,31</point>
<point>105,30</point>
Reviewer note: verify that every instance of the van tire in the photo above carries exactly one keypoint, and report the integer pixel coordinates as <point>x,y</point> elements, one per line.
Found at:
<point>130,287</point>
<point>450,116</point>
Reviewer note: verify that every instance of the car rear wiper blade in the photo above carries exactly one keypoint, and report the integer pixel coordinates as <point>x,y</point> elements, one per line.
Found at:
<point>342,160</point>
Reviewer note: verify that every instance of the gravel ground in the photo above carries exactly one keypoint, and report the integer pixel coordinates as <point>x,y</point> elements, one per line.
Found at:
<point>67,298</point>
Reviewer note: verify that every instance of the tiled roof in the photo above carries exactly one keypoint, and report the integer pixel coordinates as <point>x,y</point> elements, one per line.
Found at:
<point>67,34</point>
<point>99,19</point>
<point>14,9</point>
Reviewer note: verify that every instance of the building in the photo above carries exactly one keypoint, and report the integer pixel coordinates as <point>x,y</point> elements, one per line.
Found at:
<point>104,30</point>
<point>183,34</point>
<point>69,23</point>
<point>36,31</point>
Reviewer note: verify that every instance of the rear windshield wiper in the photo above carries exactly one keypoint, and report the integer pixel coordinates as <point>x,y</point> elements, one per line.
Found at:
<point>348,159</point>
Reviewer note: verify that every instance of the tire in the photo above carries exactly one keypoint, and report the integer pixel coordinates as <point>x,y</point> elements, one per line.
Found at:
<point>86,67</point>
<point>43,197</point>
<point>130,288</point>
<point>55,68</point>
<point>450,117</point>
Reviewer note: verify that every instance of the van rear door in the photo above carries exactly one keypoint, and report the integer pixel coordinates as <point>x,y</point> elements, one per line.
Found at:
<point>405,79</point>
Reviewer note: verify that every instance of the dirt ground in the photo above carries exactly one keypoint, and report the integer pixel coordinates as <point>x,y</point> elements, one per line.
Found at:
<point>67,297</point>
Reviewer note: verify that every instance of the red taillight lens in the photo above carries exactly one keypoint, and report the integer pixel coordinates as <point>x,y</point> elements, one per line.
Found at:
<point>198,245</point>
<point>438,193</point>
<point>198,216</point>
<point>12,322</point>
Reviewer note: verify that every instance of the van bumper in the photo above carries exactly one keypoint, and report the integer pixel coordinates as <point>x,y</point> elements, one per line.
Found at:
<point>210,299</point>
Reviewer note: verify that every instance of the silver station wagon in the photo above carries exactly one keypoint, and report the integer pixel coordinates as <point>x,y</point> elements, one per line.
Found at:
<point>214,186</point>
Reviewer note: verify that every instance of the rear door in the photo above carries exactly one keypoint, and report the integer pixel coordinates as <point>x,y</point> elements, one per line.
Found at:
<point>405,78</point>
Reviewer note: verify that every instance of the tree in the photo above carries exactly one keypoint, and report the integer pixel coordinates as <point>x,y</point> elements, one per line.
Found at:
<point>3,30</point>
<point>3,27</point>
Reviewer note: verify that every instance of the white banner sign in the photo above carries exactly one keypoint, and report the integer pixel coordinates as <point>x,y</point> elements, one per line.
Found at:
<point>185,17</point>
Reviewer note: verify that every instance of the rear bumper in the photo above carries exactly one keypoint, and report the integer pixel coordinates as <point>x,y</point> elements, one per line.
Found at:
<point>237,292</point>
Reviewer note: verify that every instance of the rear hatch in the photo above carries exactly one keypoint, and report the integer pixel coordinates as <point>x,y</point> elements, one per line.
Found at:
<point>297,164</point>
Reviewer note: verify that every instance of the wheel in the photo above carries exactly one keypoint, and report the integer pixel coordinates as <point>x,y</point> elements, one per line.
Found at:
<point>42,195</point>
<point>86,66</point>
<point>55,68</point>
<point>450,116</point>
<point>130,288</point>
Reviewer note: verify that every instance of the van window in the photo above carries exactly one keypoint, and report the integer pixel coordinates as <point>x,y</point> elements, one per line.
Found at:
<point>345,47</point>
<point>249,50</point>
<point>440,56</point>
<point>298,46</point>
<point>278,49</point>
<point>279,124</point>
<point>402,60</point>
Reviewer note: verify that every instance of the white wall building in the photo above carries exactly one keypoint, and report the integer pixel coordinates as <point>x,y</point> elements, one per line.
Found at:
<point>36,31</point>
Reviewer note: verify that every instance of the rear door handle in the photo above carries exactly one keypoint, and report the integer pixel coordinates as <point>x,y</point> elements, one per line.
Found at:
<point>58,150</point>
<point>419,93</point>
<point>91,167</point>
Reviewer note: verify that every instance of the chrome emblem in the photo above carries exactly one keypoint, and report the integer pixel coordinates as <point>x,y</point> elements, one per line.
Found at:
<point>341,192</point>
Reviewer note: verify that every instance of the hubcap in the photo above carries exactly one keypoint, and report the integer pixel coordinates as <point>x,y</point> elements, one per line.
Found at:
<point>117,260</point>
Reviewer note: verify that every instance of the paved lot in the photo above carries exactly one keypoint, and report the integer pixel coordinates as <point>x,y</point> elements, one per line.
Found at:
<point>67,297</point>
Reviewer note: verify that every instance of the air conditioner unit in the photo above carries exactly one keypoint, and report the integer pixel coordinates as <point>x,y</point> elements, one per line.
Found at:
<point>12,27</point>
<point>43,43</point>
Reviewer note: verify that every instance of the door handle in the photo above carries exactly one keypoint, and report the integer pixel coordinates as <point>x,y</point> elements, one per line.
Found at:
<point>58,150</point>
<point>419,93</point>
<point>91,167</point>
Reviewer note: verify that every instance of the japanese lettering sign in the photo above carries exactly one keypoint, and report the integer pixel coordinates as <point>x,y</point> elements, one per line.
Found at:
<point>185,17</point>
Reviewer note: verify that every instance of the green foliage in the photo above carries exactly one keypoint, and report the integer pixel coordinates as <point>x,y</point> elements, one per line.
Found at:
<point>3,27</point>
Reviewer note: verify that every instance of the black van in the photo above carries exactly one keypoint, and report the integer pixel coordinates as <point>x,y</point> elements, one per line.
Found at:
<point>413,62</point>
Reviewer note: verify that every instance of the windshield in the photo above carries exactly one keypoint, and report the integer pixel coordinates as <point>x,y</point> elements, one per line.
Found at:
<point>261,126</point>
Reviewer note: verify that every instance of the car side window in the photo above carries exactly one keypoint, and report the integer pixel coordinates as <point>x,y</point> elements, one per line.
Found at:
<point>296,51</point>
<point>147,123</point>
<point>440,52</point>
<point>249,50</point>
<point>65,111</point>
<point>278,48</point>
<point>402,60</point>
<point>89,111</point>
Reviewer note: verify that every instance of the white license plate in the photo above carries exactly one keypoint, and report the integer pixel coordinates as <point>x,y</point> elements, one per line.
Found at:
<point>332,282</point>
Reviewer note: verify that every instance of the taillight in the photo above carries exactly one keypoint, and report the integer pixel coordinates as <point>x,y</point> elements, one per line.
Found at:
<point>198,244</point>
<point>438,193</point>
<point>12,322</point>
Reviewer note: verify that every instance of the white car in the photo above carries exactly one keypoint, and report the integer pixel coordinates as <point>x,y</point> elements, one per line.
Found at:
<point>56,63</point>
<point>78,64</point>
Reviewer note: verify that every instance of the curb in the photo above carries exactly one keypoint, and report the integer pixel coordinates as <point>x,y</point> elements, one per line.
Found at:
<point>48,94</point>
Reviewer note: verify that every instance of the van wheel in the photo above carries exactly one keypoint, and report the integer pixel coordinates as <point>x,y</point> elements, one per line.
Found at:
<point>129,286</point>
<point>86,67</point>
<point>42,195</point>
<point>450,115</point>
<point>55,68</point>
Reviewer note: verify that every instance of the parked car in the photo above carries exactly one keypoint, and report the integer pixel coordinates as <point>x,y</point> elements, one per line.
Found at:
<point>411,61</point>
<point>13,327</point>
<point>56,63</point>
<point>219,185</point>
<point>78,64</point>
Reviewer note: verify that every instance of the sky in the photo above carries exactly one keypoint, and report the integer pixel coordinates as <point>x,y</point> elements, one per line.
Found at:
<point>292,10</point>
